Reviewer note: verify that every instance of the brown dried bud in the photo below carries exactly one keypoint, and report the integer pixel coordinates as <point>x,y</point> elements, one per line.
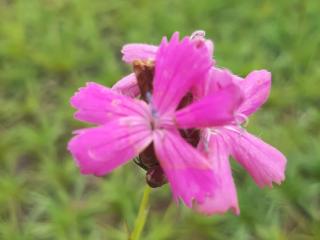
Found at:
<point>148,157</point>
<point>155,177</point>
<point>144,71</point>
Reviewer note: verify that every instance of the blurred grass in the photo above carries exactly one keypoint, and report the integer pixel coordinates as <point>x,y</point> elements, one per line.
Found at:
<point>49,48</point>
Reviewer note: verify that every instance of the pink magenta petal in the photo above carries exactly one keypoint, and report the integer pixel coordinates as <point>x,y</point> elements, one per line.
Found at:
<point>210,47</point>
<point>189,173</point>
<point>198,38</point>
<point>215,81</point>
<point>218,79</point>
<point>213,110</point>
<point>256,87</point>
<point>225,197</point>
<point>100,150</point>
<point>178,66</point>
<point>127,86</point>
<point>98,104</point>
<point>138,51</point>
<point>263,162</point>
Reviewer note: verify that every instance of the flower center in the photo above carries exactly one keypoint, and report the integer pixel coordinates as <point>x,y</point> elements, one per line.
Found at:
<point>144,71</point>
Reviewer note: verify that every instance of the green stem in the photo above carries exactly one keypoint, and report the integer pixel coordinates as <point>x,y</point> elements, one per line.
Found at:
<point>142,215</point>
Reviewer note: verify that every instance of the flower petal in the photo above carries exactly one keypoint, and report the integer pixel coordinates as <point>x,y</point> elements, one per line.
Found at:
<point>199,40</point>
<point>263,162</point>
<point>138,51</point>
<point>127,86</point>
<point>256,87</point>
<point>225,197</point>
<point>218,79</point>
<point>188,172</point>
<point>100,150</point>
<point>98,104</point>
<point>178,66</point>
<point>213,110</point>
<point>210,46</point>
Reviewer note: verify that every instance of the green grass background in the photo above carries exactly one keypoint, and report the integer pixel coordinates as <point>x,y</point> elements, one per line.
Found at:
<point>49,48</point>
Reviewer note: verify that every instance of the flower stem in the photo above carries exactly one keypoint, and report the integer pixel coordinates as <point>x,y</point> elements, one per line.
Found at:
<point>142,215</point>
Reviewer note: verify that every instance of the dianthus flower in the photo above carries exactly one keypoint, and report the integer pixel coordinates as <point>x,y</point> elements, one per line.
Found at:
<point>263,162</point>
<point>127,126</point>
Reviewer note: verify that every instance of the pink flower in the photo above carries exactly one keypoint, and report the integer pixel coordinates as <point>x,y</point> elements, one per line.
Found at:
<point>127,126</point>
<point>263,162</point>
